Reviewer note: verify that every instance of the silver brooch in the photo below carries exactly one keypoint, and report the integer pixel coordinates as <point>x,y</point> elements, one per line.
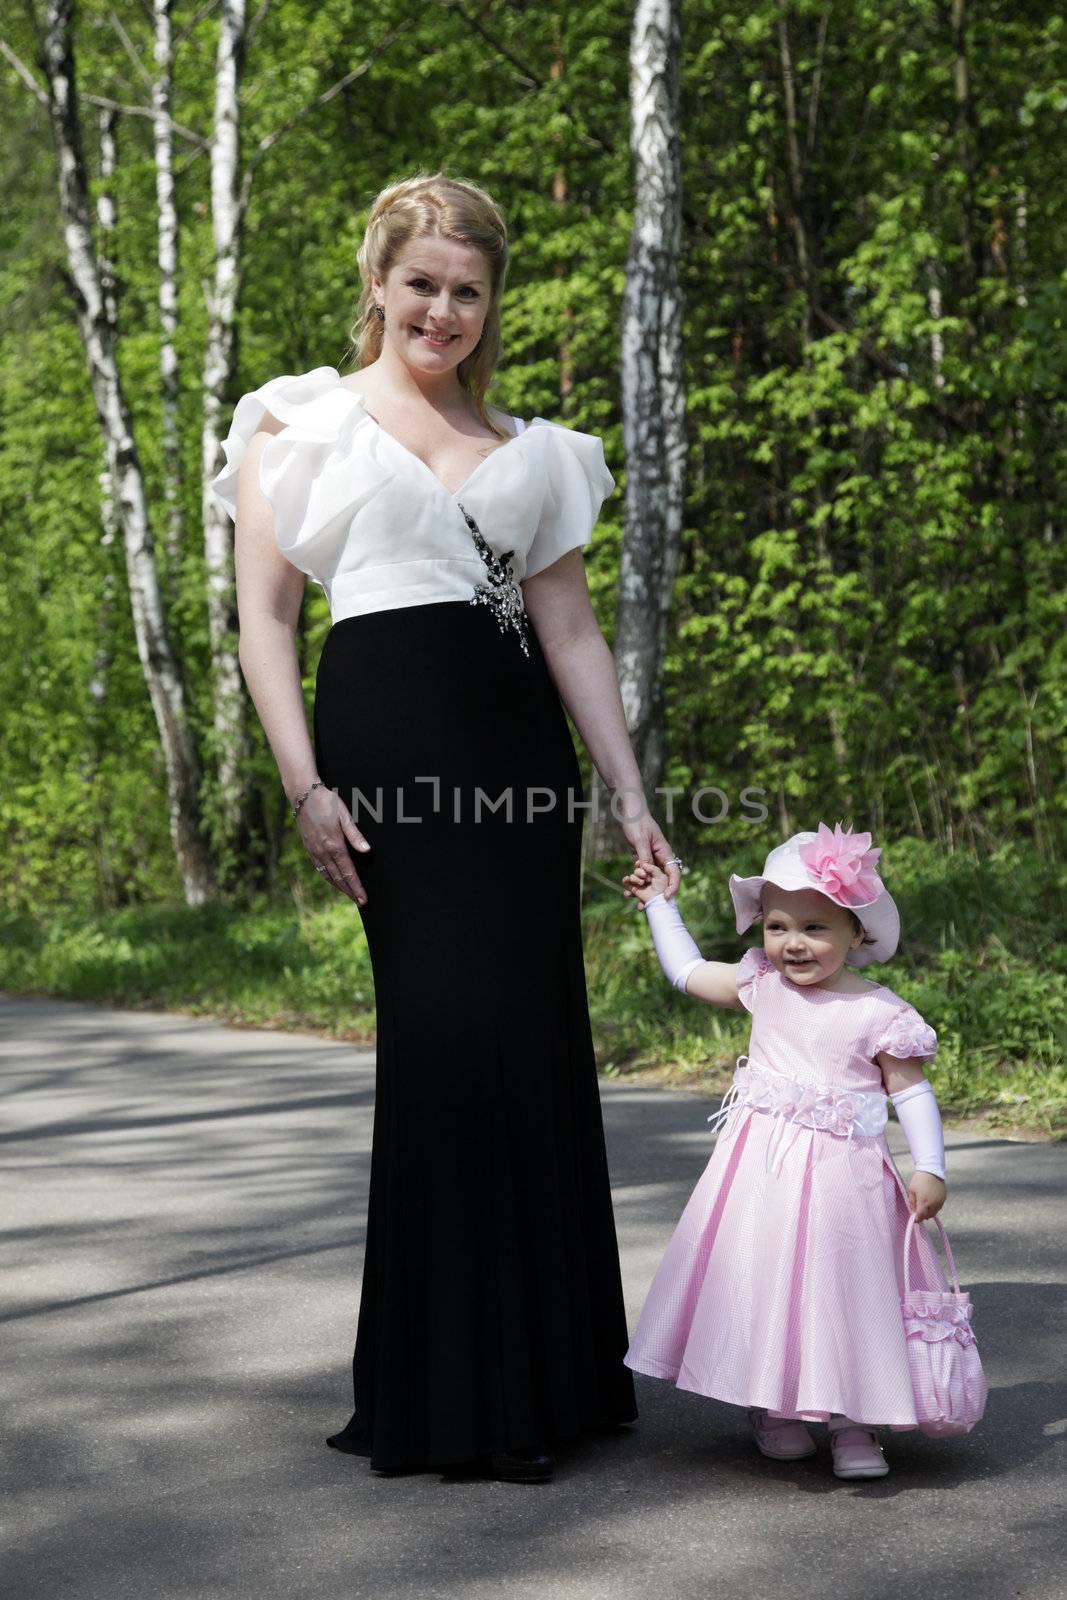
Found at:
<point>501,594</point>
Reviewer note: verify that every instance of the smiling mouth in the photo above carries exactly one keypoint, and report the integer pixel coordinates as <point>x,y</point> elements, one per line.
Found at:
<point>440,339</point>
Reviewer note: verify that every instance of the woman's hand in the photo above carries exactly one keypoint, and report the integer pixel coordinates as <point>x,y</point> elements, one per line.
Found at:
<point>327,829</point>
<point>926,1195</point>
<point>645,838</point>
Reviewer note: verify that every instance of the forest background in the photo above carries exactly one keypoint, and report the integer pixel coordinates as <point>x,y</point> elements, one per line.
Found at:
<point>867,620</point>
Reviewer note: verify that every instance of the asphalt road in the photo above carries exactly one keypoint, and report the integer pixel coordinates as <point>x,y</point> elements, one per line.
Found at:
<point>183,1206</point>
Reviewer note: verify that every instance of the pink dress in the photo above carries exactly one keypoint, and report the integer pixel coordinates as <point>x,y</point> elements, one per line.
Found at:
<point>781,1284</point>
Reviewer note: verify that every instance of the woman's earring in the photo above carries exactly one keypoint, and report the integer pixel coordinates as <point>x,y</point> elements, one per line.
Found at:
<point>379,312</point>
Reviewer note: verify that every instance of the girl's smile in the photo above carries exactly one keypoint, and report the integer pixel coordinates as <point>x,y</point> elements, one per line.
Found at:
<point>806,935</point>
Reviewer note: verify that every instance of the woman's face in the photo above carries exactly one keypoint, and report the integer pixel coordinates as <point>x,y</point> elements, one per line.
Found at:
<point>806,935</point>
<point>435,299</point>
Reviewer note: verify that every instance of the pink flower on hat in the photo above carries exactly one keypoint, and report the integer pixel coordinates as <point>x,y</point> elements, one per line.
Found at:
<point>843,865</point>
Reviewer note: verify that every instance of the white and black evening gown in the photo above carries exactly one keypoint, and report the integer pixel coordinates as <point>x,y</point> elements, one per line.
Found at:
<point>491,1313</point>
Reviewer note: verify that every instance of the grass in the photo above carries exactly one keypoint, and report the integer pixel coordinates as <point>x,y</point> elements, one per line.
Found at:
<point>254,962</point>
<point>983,961</point>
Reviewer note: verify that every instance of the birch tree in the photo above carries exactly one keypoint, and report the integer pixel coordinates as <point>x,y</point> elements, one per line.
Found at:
<point>96,325</point>
<point>227,212</point>
<point>231,193</point>
<point>167,235</point>
<point>653,396</point>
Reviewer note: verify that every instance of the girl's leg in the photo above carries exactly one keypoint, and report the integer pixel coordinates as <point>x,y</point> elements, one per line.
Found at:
<point>856,1451</point>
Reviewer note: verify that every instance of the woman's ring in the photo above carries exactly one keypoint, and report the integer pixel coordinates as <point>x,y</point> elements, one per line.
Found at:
<point>676,861</point>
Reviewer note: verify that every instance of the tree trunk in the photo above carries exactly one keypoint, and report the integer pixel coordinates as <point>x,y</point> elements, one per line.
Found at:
<point>97,329</point>
<point>966,129</point>
<point>559,195</point>
<point>653,399</point>
<point>230,706</point>
<point>796,175</point>
<point>167,250</point>
<point>99,687</point>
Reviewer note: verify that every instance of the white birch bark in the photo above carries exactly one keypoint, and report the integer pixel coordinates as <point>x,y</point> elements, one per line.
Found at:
<point>167,253</point>
<point>1021,219</point>
<point>227,209</point>
<point>97,331</point>
<point>653,394</point>
<point>937,343</point>
<point>796,177</point>
<point>231,191</point>
<point>99,682</point>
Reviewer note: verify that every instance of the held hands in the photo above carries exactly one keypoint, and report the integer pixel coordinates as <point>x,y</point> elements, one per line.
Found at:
<point>645,882</point>
<point>926,1195</point>
<point>645,837</point>
<point>327,829</point>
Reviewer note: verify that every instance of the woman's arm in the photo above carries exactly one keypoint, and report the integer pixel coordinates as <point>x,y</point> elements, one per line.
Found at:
<point>269,594</point>
<point>558,605</point>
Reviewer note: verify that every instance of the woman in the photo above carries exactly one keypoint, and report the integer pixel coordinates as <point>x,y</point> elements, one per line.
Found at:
<point>443,796</point>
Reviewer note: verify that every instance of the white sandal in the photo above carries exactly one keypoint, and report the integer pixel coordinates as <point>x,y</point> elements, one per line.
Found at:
<point>781,1438</point>
<point>856,1451</point>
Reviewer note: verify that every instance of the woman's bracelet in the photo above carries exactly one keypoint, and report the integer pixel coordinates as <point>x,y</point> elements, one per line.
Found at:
<point>318,784</point>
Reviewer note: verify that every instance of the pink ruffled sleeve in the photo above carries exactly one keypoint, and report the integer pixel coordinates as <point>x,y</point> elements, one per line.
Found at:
<point>750,969</point>
<point>907,1037</point>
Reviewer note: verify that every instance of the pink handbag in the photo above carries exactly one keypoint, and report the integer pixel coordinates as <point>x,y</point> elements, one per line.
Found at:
<point>946,1371</point>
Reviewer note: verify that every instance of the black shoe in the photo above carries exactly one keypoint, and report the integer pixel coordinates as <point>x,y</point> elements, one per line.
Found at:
<point>520,1466</point>
<point>352,1439</point>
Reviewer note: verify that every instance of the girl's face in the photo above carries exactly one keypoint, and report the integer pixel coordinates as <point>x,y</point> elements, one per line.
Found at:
<point>806,935</point>
<point>435,299</point>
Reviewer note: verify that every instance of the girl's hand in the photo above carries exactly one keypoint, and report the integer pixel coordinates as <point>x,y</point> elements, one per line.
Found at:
<point>645,881</point>
<point>926,1195</point>
<point>326,828</point>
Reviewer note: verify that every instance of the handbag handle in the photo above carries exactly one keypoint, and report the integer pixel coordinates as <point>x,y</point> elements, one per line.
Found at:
<point>908,1231</point>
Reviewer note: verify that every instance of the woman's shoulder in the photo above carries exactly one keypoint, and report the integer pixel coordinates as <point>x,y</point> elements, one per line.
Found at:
<point>573,462</point>
<point>503,419</point>
<point>288,398</point>
<point>314,409</point>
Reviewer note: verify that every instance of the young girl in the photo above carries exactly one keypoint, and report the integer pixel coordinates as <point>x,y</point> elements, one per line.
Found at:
<point>780,1289</point>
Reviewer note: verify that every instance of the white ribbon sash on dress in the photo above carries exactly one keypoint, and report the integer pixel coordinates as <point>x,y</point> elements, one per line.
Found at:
<point>844,1112</point>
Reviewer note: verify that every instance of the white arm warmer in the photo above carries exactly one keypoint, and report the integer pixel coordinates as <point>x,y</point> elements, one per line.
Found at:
<point>920,1119</point>
<point>675,945</point>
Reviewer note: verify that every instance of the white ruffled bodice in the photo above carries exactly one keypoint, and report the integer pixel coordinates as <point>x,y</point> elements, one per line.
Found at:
<point>371,523</point>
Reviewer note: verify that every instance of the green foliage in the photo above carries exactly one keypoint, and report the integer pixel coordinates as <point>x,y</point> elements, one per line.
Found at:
<point>983,959</point>
<point>868,618</point>
<point>248,960</point>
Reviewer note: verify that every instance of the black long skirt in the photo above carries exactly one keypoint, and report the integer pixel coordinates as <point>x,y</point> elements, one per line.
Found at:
<point>491,1313</point>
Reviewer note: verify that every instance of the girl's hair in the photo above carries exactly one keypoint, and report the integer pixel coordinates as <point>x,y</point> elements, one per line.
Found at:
<point>444,208</point>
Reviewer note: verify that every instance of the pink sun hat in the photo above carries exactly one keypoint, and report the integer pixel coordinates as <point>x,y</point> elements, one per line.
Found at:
<point>840,865</point>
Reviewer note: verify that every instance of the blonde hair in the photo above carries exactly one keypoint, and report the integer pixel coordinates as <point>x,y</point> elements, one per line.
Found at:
<point>446,208</point>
